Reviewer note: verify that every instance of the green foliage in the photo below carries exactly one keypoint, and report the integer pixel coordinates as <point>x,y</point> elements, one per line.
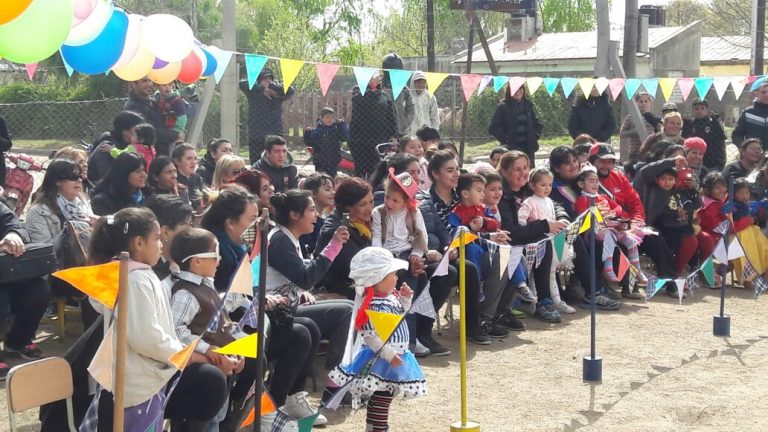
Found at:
<point>480,111</point>
<point>719,17</point>
<point>553,111</point>
<point>567,15</point>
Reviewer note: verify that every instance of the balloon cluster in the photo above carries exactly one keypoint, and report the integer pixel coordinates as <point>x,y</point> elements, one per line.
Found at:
<point>95,37</point>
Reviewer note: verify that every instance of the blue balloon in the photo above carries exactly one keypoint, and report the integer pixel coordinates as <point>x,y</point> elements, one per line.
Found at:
<point>99,55</point>
<point>210,67</point>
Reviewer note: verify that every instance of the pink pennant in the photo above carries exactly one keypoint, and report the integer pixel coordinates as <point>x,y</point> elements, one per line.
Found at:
<point>31,69</point>
<point>325,73</point>
<point>685,85</point>
<point>469,83</point>
<point>623,266</point>
<point>515,83</point>
<point>751,79</point>
<point>616,85</point>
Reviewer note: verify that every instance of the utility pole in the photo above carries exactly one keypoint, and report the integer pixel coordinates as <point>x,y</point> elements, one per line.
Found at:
<point>431,35</point>
<point>229,82</point>
<point>757,63</point>
<point>630,38</point>
<point>602,68</point>
<point>193,17</point>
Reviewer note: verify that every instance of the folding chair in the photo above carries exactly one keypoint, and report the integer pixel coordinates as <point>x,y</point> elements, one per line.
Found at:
<point>38,383</point>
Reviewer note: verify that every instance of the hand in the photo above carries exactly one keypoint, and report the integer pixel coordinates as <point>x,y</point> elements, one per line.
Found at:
<point>12,244</point>
<point>406,291</point>
<point>556,227</point>
<point>396,361</point>
<point>105,148</point>
<point>434,256</point>
<point>341,235</point>
<point>274,301</point>
<point>476,224</point>
<point>240,364</point>
<point>680,162</point>
<point>215,358</point>
<point>501,237</point>
<point>416,265</point>
<point>306,297</point>
<point>228,367</point>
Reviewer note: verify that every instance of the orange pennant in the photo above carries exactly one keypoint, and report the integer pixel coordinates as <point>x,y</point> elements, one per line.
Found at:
<point>181,358</point>
<point>267,407</point>
<point>99,281</point>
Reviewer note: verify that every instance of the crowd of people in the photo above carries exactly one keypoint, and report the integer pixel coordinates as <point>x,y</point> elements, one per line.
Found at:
<point>343,245</point>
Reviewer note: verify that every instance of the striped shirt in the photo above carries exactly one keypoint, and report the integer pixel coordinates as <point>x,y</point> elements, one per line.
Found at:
<point>389,304</point>
<point>444,209</point>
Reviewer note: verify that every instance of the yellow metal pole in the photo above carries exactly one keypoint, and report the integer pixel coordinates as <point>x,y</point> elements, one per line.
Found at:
<point>463,425</point>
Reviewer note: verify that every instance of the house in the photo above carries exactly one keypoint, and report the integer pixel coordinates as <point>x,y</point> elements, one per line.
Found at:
<point>725,56</point>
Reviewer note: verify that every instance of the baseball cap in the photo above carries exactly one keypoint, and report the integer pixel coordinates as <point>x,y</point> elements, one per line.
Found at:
<point>699,101</point>
<point>669,106</point>
<point>419,75</point>
<point>602,151</point>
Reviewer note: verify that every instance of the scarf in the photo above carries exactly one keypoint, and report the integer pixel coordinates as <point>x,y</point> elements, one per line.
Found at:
<point>363,229</point>
<point>75,210</point>
<point>230,251</point>
<point>672,138</point>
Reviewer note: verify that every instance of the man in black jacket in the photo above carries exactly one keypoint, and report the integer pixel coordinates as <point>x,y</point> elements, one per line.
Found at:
<point>26,300</point>
<point>265,110</point>
<point>140,101</point>
<point>592,116</point>
<point>753,122</point>
<point>276,164</point>
<point>707,126</point>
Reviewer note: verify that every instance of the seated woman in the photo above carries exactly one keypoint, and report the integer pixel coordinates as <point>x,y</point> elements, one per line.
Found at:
<point>290,275</point>
<point>163,179</point>
<point>80,157</point>
<point>322,188</point>
<point>227,168</point>
<point>258,184</point>
<point>217,148</point>
<point>123,186</point>
<point>121,136</point>
<point>292,345</point>
<point>185,158</point>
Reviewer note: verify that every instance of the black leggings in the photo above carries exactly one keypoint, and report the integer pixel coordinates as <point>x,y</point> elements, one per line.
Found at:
<point>26,301</point>
<point>541,275</point>
<point>293,349</point>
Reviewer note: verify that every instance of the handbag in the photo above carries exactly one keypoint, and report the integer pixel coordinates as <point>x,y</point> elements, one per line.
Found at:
<point>37,260</point>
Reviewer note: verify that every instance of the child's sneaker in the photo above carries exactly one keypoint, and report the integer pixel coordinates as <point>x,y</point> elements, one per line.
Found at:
<point>298,407</point>
<point>547,312</point>
<point>28,352</point>
<point>526,294</point>
<point>563,307</point>
<point>4,369</point>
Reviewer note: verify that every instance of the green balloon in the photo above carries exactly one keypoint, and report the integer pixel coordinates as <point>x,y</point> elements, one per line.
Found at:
<point>38,32</point>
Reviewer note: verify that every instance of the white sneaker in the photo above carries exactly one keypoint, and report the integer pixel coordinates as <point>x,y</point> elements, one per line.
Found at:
<point>526,294</point>
<point>420,350</point>
<point>563,307</point>
<point>298,407</point>
<point>268,422</point>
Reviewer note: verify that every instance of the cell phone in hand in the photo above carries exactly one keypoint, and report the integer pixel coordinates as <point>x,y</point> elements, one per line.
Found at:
<point>345,219</point>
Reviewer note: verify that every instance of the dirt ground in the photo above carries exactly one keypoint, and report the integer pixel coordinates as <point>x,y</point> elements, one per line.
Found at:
<point>663,370</point>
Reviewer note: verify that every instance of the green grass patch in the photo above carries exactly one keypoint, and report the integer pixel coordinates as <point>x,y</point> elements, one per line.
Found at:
<point>47,144</point>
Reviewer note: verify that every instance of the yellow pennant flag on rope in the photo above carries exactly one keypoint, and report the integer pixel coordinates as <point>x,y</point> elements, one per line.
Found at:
<point>99,281</point>
<point>586,85</point>
<point>245,347</point>
<point>667,87</point>
<point>587,224</point>
<point>468,238</point>
<point>434,79</point>
<point>290,69</point>
<point>384,323</point>
<point>598,215</point>
<point>181,358</point>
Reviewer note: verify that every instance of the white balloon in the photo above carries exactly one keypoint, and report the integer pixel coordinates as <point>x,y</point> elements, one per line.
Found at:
<point>168,37</point>
<point>133,39</point>
<point>88,29</point>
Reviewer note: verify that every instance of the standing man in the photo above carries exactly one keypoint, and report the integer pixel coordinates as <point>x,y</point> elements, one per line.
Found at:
<point>707,126</point>
<point>140,101</point>
<point>753,122</point>
<point>277,165</point>
<point>265,110</point>
<point>404,109</point>
<point>425,105</point>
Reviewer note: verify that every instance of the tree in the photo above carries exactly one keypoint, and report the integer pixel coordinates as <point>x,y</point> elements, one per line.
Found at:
<point>719,17</point>
<point>561,16</point>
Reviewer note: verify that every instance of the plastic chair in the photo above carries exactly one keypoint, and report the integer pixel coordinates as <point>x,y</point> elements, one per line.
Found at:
<point>38,383</point>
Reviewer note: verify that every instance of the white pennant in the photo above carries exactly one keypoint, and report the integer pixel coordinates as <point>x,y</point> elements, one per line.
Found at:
<point>442,268</point>
<point>423,305</point>
<point>680,289</point>
<point>601,84</point>
<point>504,252</point>
<point>737,84</point>
<point>735,251</point>
<point>514,260</point>
<point>534,83</point>
<point>483,84</point>
<point>721,86</point>
<point>720,253</point>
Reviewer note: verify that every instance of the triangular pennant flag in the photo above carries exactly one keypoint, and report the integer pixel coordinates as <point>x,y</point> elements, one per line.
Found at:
<point>659,285</point>
<point>735,251</point>
<point>598,215</point>
<point>442,267</point>
<point>325,74</point>
<point>99,281</point>
<point>245,347</point>
<point>469,83</point>
<point>616,85</point>
<point>399,79</point>
<point>587,224</point>
<point>586,85</point>
<point>631,86</point>
<point>559,243</point>
<point>434,79</point>
<point>761,284</point>
<point>752,78</point>
<point>685,85</point>
<point>290,69</point>
<point>101,366</point>
<point>267,407</point>
<point>601,84</point>
<point>667,87</point>
<point>31,69</point>
<point>504,252</point>
<point>623,266</point>
<point>492,249</point>
<point>242,281</point>
<point>702,85</point>
<point>720,253</point>
<point>680,289</point>
<point>515,83</point>
<point>363,75</point>
<point>514,260</point>
<point>498,82</point>
<point>533,84</point>
<point>738,84</point>
<point>223,58</point>
<point>568,84</point>
<point>721,86</point>
<point>305,424</point>
<point>484,84</point>
<point>550,84</point>
<point>749,272</point>
<point>384,323</point>
<point>468,238</point>
<point>181,358</point>
<point>70,70</point>
<point>423,304</point>
<point>723,227</point>
<point>709,271</point>
<point>609,245</point>
<point>690,282</point>
<point>651,86</point>
<point>254,63</point>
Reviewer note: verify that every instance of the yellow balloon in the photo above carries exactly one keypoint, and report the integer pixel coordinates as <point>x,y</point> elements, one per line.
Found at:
<point>138,67</point>
<point>165,75</point>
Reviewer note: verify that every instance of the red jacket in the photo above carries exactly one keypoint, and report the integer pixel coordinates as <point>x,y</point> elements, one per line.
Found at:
<point>619,189</point>
<point>464,214</point>
<point>711,215</point>
<point>608,207</point>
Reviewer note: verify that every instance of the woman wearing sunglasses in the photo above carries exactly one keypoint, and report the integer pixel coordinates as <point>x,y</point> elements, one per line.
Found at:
<point>227,168</point>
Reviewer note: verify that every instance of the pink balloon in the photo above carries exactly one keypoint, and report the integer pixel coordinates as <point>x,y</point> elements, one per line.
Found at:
<point>83,8</point>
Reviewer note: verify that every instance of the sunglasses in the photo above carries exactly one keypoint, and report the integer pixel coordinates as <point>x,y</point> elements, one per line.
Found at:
<point>73,177</point>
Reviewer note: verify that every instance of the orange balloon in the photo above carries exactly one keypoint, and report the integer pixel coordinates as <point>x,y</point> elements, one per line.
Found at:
<point>12,9</point>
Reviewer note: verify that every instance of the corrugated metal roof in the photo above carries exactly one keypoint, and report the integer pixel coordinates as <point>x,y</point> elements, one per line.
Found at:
<point>561,46</point>
<point>725,49</point>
